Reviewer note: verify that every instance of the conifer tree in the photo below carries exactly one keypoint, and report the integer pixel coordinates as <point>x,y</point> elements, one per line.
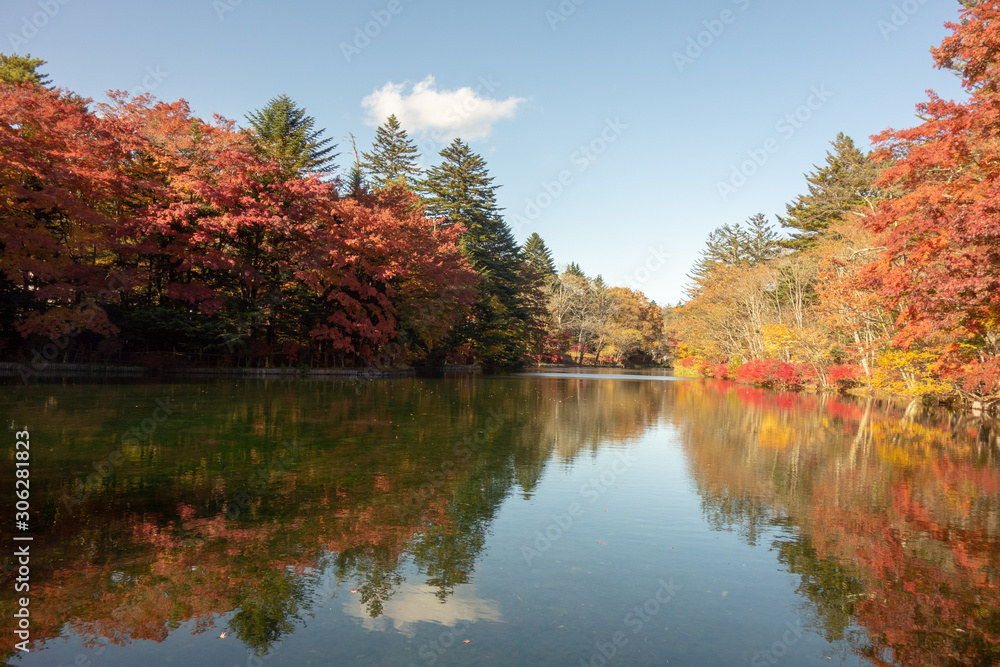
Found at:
<point>461,191</point>
<point>537,256</point>
<point>283,131</point>
<point>843,184</point>
<point>749,244</point>
<point>15,69</point>
<point>393,158</point>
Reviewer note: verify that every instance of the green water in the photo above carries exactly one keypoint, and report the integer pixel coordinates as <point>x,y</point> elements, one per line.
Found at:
<point>541,519</point>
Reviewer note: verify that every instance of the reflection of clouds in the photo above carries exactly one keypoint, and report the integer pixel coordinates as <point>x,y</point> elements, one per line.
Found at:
<point>411,604</point>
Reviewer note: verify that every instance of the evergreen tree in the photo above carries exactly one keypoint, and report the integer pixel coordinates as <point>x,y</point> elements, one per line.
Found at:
<point>15,69</point>
<point>760,240</point>
<point>574,269</point>
<point>461,191</point>
<point>393,158</point>
<point>537,256</point>
<point>283,131</point>
<point>845,183</point>
<point>742,245</point>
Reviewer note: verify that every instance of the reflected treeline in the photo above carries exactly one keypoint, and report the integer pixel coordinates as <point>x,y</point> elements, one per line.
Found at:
<point>890,516</point>
<point>157,505</point>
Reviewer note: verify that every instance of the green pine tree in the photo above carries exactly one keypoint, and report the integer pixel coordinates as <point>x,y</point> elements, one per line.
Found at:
<point>393,158</point>
<point>461,191</point>
<point>845,183</point>
<point>16,69</point>
<point>283,131</point>
<point>574,269</point>
<point>537,256</point>
<point>752,243</point>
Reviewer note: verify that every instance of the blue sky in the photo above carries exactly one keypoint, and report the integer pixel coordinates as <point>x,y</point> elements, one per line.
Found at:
<point>609,125</point>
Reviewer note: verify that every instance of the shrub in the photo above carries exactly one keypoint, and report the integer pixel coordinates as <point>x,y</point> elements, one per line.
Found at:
<point>844,376</point>
<point>773,374</point>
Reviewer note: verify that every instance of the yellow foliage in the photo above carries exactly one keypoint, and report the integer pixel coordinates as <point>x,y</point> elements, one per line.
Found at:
<point>778,341</point>
<point>907,373</point>
<point>774,434</point>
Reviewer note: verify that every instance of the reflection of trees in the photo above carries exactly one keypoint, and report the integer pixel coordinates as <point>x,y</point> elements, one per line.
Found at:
<point>381,475</point>
<point>892,513</point>
<point>267,609</point>
<point>831,588</point>
<point>375,566</point>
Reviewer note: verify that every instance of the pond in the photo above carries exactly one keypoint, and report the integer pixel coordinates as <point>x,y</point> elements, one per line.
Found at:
<point>589,518</point>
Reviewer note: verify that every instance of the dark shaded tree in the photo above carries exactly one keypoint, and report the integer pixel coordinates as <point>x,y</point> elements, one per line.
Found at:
<point>460,191</point>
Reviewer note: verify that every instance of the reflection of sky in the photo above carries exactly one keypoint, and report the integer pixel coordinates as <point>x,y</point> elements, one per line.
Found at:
<point>415,603</point>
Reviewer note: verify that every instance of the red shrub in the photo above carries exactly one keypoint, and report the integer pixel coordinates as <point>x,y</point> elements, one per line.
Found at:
<point>843,376</point>
<point>773,374</point>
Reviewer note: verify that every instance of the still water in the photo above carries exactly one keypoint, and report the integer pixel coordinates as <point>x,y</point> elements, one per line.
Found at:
<point>538,519</point>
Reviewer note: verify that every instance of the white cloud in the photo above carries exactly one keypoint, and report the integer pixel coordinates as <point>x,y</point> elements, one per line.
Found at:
<point>418,603</point>
<point>467,113</point>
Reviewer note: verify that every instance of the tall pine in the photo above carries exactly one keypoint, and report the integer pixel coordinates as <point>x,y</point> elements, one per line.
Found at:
<point>537,256</point>
<point>393,158</point>
<point>461,191</point>
<point>844,184</point>
<point>749,244</point>
<point>15,69</point>
<point>283,131</point>
<point>540,275</point>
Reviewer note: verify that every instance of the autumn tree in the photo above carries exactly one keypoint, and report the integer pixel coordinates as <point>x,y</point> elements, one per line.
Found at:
<point>748,244</point>
<point>232,248</point>
<point>61,185</point>
<point>941,266</point>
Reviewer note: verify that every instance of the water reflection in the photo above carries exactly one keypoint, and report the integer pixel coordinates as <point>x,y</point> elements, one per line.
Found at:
<point>256,509</point>
<point>896,513</point>
<point>259,501</point>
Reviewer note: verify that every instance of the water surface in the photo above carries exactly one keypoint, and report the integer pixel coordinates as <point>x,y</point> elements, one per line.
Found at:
<point>541,519</point>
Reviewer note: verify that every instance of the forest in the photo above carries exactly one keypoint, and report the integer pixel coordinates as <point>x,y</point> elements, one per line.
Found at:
<point>133,231</point>
<point>885,273</point>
